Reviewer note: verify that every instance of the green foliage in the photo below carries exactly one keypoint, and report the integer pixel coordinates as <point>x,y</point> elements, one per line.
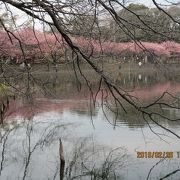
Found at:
<point>3,88</point>
<point>136,7</point>
<point>139,22</point>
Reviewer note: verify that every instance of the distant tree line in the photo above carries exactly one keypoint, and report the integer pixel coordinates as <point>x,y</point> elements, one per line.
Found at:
<point>132,22</point>
<point>136,20</point>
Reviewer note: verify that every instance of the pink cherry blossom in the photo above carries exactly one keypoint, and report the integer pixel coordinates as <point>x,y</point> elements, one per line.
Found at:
<point>41,44</point>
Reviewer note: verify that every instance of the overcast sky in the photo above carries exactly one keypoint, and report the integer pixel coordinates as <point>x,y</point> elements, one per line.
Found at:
<point>22,17</point>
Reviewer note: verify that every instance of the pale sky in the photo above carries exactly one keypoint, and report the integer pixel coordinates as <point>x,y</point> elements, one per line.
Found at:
<point>23,18</point>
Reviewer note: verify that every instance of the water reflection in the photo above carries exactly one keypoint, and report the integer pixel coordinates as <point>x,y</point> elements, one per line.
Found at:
<point>53,108</point>
<point>30,150</point>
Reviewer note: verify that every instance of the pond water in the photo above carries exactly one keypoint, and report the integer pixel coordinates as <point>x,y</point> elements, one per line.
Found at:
<point>52,108</point>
